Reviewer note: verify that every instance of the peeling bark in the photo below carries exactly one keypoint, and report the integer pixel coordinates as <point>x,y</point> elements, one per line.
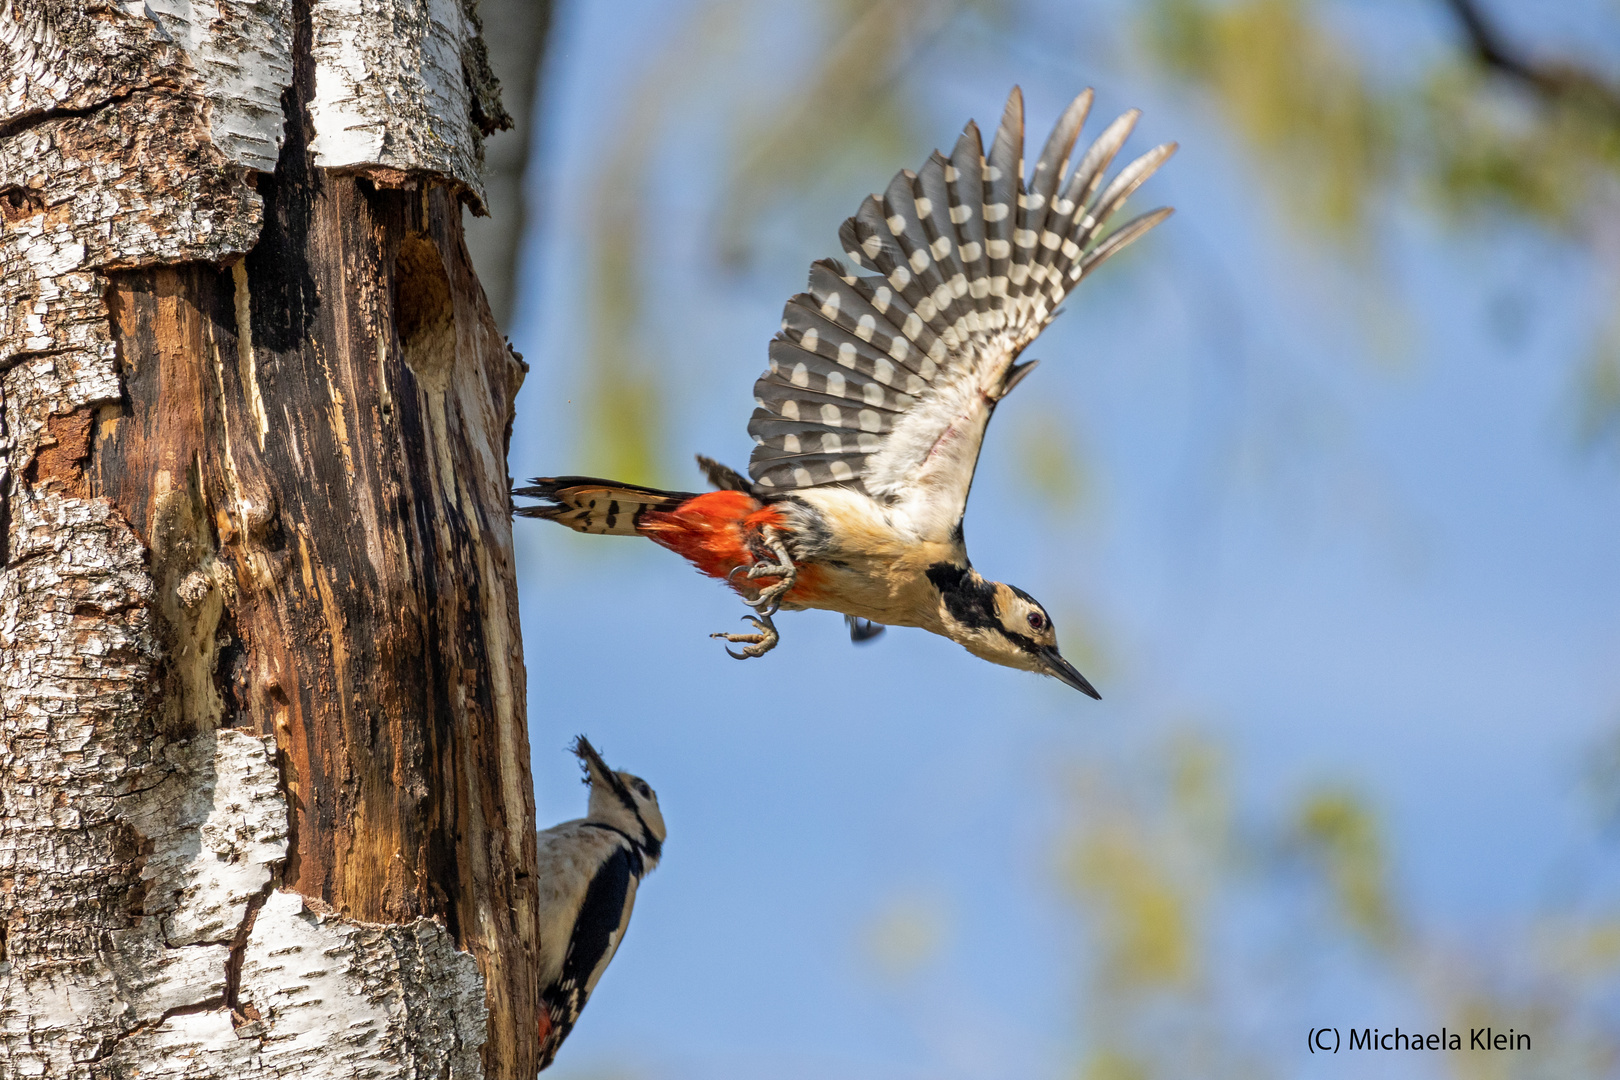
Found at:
<point>265,807</point>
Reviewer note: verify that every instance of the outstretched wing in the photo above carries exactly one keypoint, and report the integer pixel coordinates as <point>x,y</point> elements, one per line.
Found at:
<point>885,383</point>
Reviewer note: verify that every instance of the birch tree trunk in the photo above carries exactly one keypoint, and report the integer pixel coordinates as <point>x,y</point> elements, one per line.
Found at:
<point>265,807</point>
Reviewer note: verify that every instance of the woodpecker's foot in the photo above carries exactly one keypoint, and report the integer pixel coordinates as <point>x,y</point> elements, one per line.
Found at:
<point>753,644</point>
<point>770,597</point>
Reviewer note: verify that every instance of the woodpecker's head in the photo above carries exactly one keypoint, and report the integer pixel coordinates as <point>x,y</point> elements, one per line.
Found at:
<point>1002,624</point>
<point>625,802</point>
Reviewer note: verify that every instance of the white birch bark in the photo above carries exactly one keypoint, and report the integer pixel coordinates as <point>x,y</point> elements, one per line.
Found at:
<point>143,931</point>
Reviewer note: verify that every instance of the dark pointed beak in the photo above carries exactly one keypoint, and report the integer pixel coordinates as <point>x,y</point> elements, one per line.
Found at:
<point>1063,671</point>
<point>593,761</point>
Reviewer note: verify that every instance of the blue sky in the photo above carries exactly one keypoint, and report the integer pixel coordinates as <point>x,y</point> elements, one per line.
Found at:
<point>1379,565</point>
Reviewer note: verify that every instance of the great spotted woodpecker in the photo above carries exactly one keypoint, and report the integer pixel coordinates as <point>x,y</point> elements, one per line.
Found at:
<point>589,871</point>
<point>879,389</point>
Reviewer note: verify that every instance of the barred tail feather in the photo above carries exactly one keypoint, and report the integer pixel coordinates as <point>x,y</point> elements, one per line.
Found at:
<point>589,505</point>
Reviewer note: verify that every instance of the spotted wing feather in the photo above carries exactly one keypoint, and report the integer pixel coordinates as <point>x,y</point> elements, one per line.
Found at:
<point>883,380</point>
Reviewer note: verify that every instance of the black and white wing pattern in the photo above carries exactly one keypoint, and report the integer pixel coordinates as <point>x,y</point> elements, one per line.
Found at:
<point>885,381</point>
<point>601,916</point>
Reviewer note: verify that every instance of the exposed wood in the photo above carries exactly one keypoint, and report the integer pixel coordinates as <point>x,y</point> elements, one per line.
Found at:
<point>261,685</point>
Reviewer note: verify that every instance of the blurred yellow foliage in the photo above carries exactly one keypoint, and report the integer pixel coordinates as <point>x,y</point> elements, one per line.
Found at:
<point>1159,860</point>
<point>1113,1065</point>
<point>1540,142</point>
<point>905,935</point>
<point>1145,931</point>
<point>1340,830</point>
<point>1292,90</point>
<point>1599,419</point>
<point>1050,464</point>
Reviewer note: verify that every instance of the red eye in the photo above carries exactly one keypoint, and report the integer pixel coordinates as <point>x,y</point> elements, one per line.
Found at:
<point>1037,621</point>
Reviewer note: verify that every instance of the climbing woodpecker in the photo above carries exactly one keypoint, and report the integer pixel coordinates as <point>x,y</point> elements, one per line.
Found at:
<point>880,386</point>
<point>589,871</point>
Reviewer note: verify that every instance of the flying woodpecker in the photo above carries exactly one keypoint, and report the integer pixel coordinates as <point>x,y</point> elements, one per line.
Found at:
<point>589,871</point>
<point>881,383</point>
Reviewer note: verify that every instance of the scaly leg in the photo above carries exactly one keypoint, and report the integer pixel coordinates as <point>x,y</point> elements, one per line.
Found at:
<point>755,644</point>
<point>770,598</point>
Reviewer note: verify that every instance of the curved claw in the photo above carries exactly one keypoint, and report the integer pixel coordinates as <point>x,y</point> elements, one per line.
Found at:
<point>758,644</point>
<point>769,600</point>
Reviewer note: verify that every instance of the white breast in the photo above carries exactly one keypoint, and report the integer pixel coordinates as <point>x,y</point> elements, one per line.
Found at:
<point>874,565</point>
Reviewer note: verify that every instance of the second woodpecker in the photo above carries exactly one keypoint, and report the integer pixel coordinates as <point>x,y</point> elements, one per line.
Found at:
<point>881,384</point>
<point>590,870</point>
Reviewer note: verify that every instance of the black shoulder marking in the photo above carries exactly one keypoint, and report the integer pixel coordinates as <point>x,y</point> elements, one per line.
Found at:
<point>650,845</point>
<point>637,867</point>
<point>970,599</point>
<point>645,845</point>
<point>591,944</point>
<point>647,842</point>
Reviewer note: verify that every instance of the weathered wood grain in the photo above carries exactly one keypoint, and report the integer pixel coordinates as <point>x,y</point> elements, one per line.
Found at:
<point>261,684</point>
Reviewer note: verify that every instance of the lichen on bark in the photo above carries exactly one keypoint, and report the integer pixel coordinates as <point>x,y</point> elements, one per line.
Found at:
<point>164,758</point>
